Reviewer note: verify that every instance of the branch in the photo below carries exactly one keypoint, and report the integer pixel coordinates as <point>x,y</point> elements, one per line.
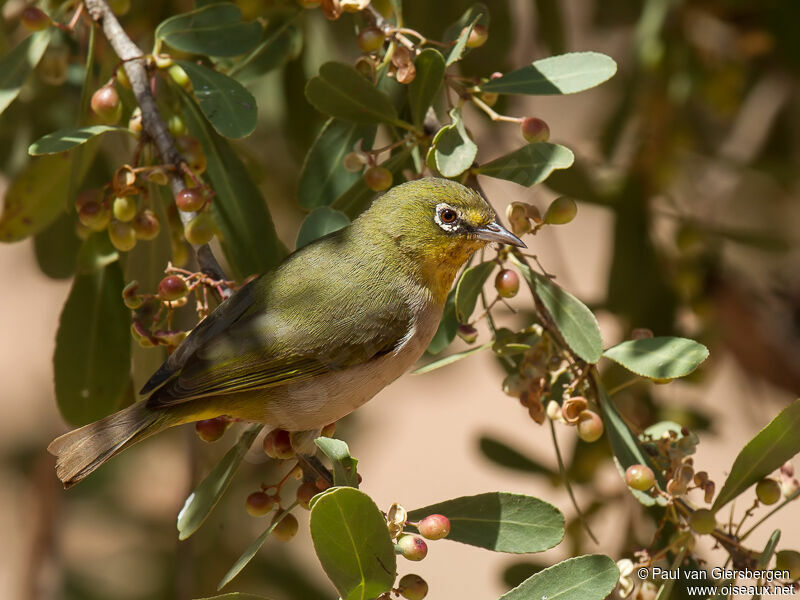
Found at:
<point>134,63</point>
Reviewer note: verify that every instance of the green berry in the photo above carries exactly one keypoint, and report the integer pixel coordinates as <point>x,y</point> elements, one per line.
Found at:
<point>122,235</point>
<point>590,426</point>
<point>201,229</point>
<point>534,130</point>
<point>370,39</point>
<point>702,521</point>
<point>34,19</point>
<point>412,547</point>
<point>353,163</point>
<point>768,491</point>
<point>106,104</point>
<point>478,36</point>
<point>95,215</point>
<point>412,587</point>
<point>278,444</point>
<point>146,225</point>
<point>378,178</point>
<point>640,477</point>
<point>124,208</point>
<point>190,199</point>
<point>176,125</point>
<point>259,504</point>
<point>122,77</point>
<point>172,287</point>
<point>434,527</point>
<point>507,283</point>
<point>210,430</point>
<point>788,560</point>
<point>180,77</point>
<point>287,528</point>
<point>561,211</point>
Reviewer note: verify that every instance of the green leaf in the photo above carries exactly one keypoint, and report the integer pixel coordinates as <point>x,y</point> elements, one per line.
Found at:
<point>504,455</point>
<point>530,164</point>
<point>345,472</point>
<point>459,31</point>
<point>251,551</point>
<point>205,497</point>
<point>458,49</point>
<point>323,177</point>
<point>341,91</point>
<point>550,25</point>
<point>66,139</point>
<point>249,240</point>
<point>18,64</point>
<point>235,596</point>
<point>563,74</point>
<point>358,196</point>
<point>574,321</point>
<point>96,253</point>
<point>320,222</point>
<point>424,88</point>
<point>352,543</point>
<point>469,287</point>
<point>281,41</point>
<point>447,326</point>
<point>453,150</point>
<point>769,549</point>
<point>450,359</point>
<point>92,356</point>
<point>57,246</point>
<point>767,451</point>
<point>225,102</point>
<point>499,521</point>
<point>213,30</point>
<point>589,577</point>
<point>659,357</point>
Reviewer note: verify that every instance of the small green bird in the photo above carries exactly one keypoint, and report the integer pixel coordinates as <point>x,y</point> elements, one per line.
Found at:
<point>317,336</point>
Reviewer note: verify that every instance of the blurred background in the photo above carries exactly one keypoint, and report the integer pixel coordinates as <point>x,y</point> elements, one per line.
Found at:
<point>687,180</point>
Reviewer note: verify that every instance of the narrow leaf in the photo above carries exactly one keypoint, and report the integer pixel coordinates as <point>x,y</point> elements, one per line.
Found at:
<point>92,356</point>
<point>589,577</point>
<point>659,357</point>
<point>66,139</point>
<point>469,287</point>
<point>449,360</point>
<point>574,321</point>
<point>319,223</point>
<point>530,164</point>
<point>235,596</point>
<point>205,497</point>
<point>213,30</point>
<point>563,74</point>
<point>345,472</point>
<point>447,326</point>
<point>500,521</point>
<point>341,91</point>
<point>352,543</point>
<point>225,102</point>
<point>504,455</point>
<point>767,451</point>
<point>57,247</point>
<point>458,32</point>
<point>422,91</point>
<point>769,549</point>
<point>457,51</point>
<point>323,177</point>
<point>18,64</point>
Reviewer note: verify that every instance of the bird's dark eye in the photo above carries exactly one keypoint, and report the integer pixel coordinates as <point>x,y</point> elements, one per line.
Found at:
<point>448,215</point>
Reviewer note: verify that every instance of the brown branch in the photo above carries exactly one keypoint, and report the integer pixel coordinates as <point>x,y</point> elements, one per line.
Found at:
<point>134,63</point>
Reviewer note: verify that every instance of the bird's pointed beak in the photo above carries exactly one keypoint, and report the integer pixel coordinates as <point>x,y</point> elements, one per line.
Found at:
<point>494,232</point>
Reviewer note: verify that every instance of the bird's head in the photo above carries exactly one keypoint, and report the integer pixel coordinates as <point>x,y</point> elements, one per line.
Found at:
<point>434,225</point>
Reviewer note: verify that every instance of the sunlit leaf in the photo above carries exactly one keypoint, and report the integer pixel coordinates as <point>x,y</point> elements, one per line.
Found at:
<point>66,139</point>
<point>345,471</point>
<point>589,577</point>
<point>530,164</point>
<point>659,357</point>
<point>448,326</point>
<point>213,30</point>
<point>458,32</point>
<point>281,41</point>
<point>449,360</point>
<point>457,51</point>
<point>453,150</point>
<point>424,88</point>
<point>18,64</point>
<point>563,74</point>
<point>469,287</point>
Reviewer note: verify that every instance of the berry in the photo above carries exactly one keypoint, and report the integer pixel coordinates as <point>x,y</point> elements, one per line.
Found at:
<point>172,287</point>
<point>788,560</point>
<point>378,178</point>
<point>190,199</point>
<point>106,105</point>
<point>180,77</point>
<point>95,215</point>
<point>34,19</point>
<point>278,444</point>
<point>163,61</point>
<point>122,235</point>
<point>146,225</point>
<point>412,547</point>
<point>176,125</point>
<point>85,196</point>
<point>124,208</point>
<point>535,130</point>
<point>507,283</point>
<point>514,385</point>
<point>201,229</point>
<point>478,36</point>
<point>768,491</point>
<point>135,122</point>
<point>287,528</point>
<point>702,521</point>
<point>590,426</point>
<point>259,504</point>
<point>180,252</point>
<point>467,333</point>
<point>210,430</point>
<point>122,77</point>
<point>306,492</point>
<point>434,527</point>
<point>412,587</point>
<point>370,39</point>
<point>353,163</point>
<point>561,211</point>
<point>640,477</point>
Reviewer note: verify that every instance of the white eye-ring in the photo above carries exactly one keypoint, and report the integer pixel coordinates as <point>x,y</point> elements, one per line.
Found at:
<point>446,217</point>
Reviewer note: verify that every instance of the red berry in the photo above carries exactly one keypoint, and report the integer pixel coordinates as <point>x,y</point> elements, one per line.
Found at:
<point>434,527</point>
<point>412,547</point>
<point>640,477</point>
<point>507,283</point>
<point>535,130</point>
<point>172,287</point>
<point>590,426</point>
<point>287,528</point>
<point>412,587</point>
<point>378,178</point>
<point>210,430</point>
<point>278,444</point>
<point>259,504</point>
<point>106,105</point>
<point>34,19</point>
<point>768,491</point>
<point>370,39</point>
<point>478,36</point>
<point>190,199</point>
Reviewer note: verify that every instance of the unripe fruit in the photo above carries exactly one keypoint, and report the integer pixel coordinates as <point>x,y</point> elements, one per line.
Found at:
<point>353,163</point>
<point>146,225</point>
<point>640,477</point>
<point>176,125</point>
<point>590,426</point>
<point>106,105</point>
<point>467,333</point>
<point>412,587</point>
<point>119,7</point>
<point>180,77</point>
<point>561,211</point>
<point>507,283</point>
<point>278,444</point>
<point>172,287</point>
<point>768,491</point>
<point>259,504</point>
<point>478,36</point>
<point>287,528</point>
<point>122,77</point>
<point>124,208</point>
<point>122,235</point>
<point>190,199</point>
<point>702,521</point>
<point>788,560</point>
<point>370,39</point>
<point>412,547</point>
<point>305,493</point>
<point>135,122</point>
<point>201,229</point>
<point>95,215</point>
<point>434,527</point>
<point>210,430</point>
<point>34,19</point>
<point>534,130</point>
<point>378,178</point>
<point>85,196</point>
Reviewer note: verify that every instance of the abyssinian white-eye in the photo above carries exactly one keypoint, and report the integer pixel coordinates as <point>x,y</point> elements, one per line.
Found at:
<point>317,336</point>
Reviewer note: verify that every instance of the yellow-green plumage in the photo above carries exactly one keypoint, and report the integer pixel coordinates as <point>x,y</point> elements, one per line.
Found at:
<point>308,342</point>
